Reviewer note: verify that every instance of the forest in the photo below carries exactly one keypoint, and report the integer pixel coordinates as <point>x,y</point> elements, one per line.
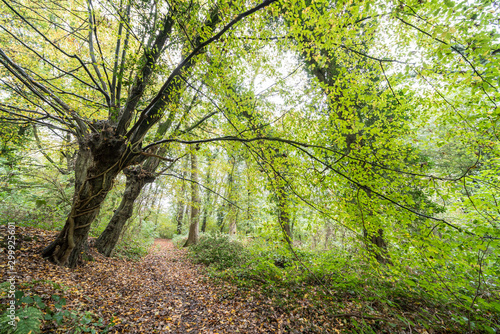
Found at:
<point>257,166</point>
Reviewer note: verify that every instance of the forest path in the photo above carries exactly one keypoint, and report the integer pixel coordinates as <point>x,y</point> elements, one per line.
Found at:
<point>161,293</point>
<point>193,304</point>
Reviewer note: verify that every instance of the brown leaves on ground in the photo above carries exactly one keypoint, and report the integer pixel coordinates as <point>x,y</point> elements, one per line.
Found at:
<point>163,293</point>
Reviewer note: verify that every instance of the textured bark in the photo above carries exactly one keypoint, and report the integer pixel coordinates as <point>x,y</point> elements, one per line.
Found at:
<point>206,202</point>
<point>97,165</point>
<point>232,226</point>
<point>220,216</point>
<point>181,208</point>
<point>195,204</point>
<point>284,213</point>
<point>380,250</point>
<point>137,177</point>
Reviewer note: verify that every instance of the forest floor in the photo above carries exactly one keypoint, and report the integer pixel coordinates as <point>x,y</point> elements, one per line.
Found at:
<point>162,293</point>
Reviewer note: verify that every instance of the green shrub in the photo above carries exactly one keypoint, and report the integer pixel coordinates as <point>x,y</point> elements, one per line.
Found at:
<point>167,231</point>
<point>218,250</point>
<point>131,249</point>
<point>136,241</point>
<point>179,239</point>
<point>31,311</point>
<point>27,320</point>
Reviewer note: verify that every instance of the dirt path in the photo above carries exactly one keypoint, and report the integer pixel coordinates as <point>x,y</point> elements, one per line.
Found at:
<point>161,293</point>
<point>195,305</point>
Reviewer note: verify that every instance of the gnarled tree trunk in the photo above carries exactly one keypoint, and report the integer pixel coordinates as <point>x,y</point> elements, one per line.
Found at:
<point>99,160</point>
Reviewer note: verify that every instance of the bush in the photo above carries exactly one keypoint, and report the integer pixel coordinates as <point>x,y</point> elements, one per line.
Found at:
<point>131,249</point>
<point>167,231</point>
<point>31,312</point>
<point>136,241</point>
<point>218,250</point>
<point>179,240</point>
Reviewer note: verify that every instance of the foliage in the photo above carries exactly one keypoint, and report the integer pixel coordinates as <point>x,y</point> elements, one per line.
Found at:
<point>135,245</point>
<point>32,312</point>
<point>336,280</point>
<point>30,320</point>
<point>381,152</point>
<point>34,195</point>
<point>218,250</point>
<point>166,231</point>
<point>179,239</point>
<point>133,250</point>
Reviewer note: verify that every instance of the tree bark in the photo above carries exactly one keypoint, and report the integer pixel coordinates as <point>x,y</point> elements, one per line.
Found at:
<point>232,225</point>
<point>207,200</point>
<point>181,208</point>
<point>284,212</point>
<point>98,163</point>
<point>137,177</point>
<point>195,204</point>
<point>380,250</point>
<point>220,217</point>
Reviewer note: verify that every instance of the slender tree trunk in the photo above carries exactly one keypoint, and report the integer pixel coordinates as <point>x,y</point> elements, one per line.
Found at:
<point>180,216</point>
<point>204,221</point>
<point>284,209</point>
<point>232,224</point>
<point>376,238</point>
<point>195,204</point>
<point>137,177</point>
<point>328,234</point>
<point>284,217</point>
<point>206,201</point>
<point>181,208</point>
<point>220,217</point>
<point>97,165</point>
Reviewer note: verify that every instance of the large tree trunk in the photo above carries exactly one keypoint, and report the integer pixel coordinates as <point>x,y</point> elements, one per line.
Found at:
<point>98,163</point>
<point>195,204</point>
<point>137,177</point>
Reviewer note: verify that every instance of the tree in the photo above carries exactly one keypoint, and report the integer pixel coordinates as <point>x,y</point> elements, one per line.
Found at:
<point>349,133</point>
<point>181,207</point>
<point>113,143</point>
<point>137,178</point>
<point>206,201</point>
<point>194,224</point>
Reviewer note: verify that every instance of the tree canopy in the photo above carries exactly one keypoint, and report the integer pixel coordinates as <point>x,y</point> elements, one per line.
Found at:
<point>374,120</point>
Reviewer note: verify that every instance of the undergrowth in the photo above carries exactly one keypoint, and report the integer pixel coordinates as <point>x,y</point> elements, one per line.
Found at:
<point>32,313</point>
<point>135,243</point>
<point>218,250</point>
<point>366,296</point>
